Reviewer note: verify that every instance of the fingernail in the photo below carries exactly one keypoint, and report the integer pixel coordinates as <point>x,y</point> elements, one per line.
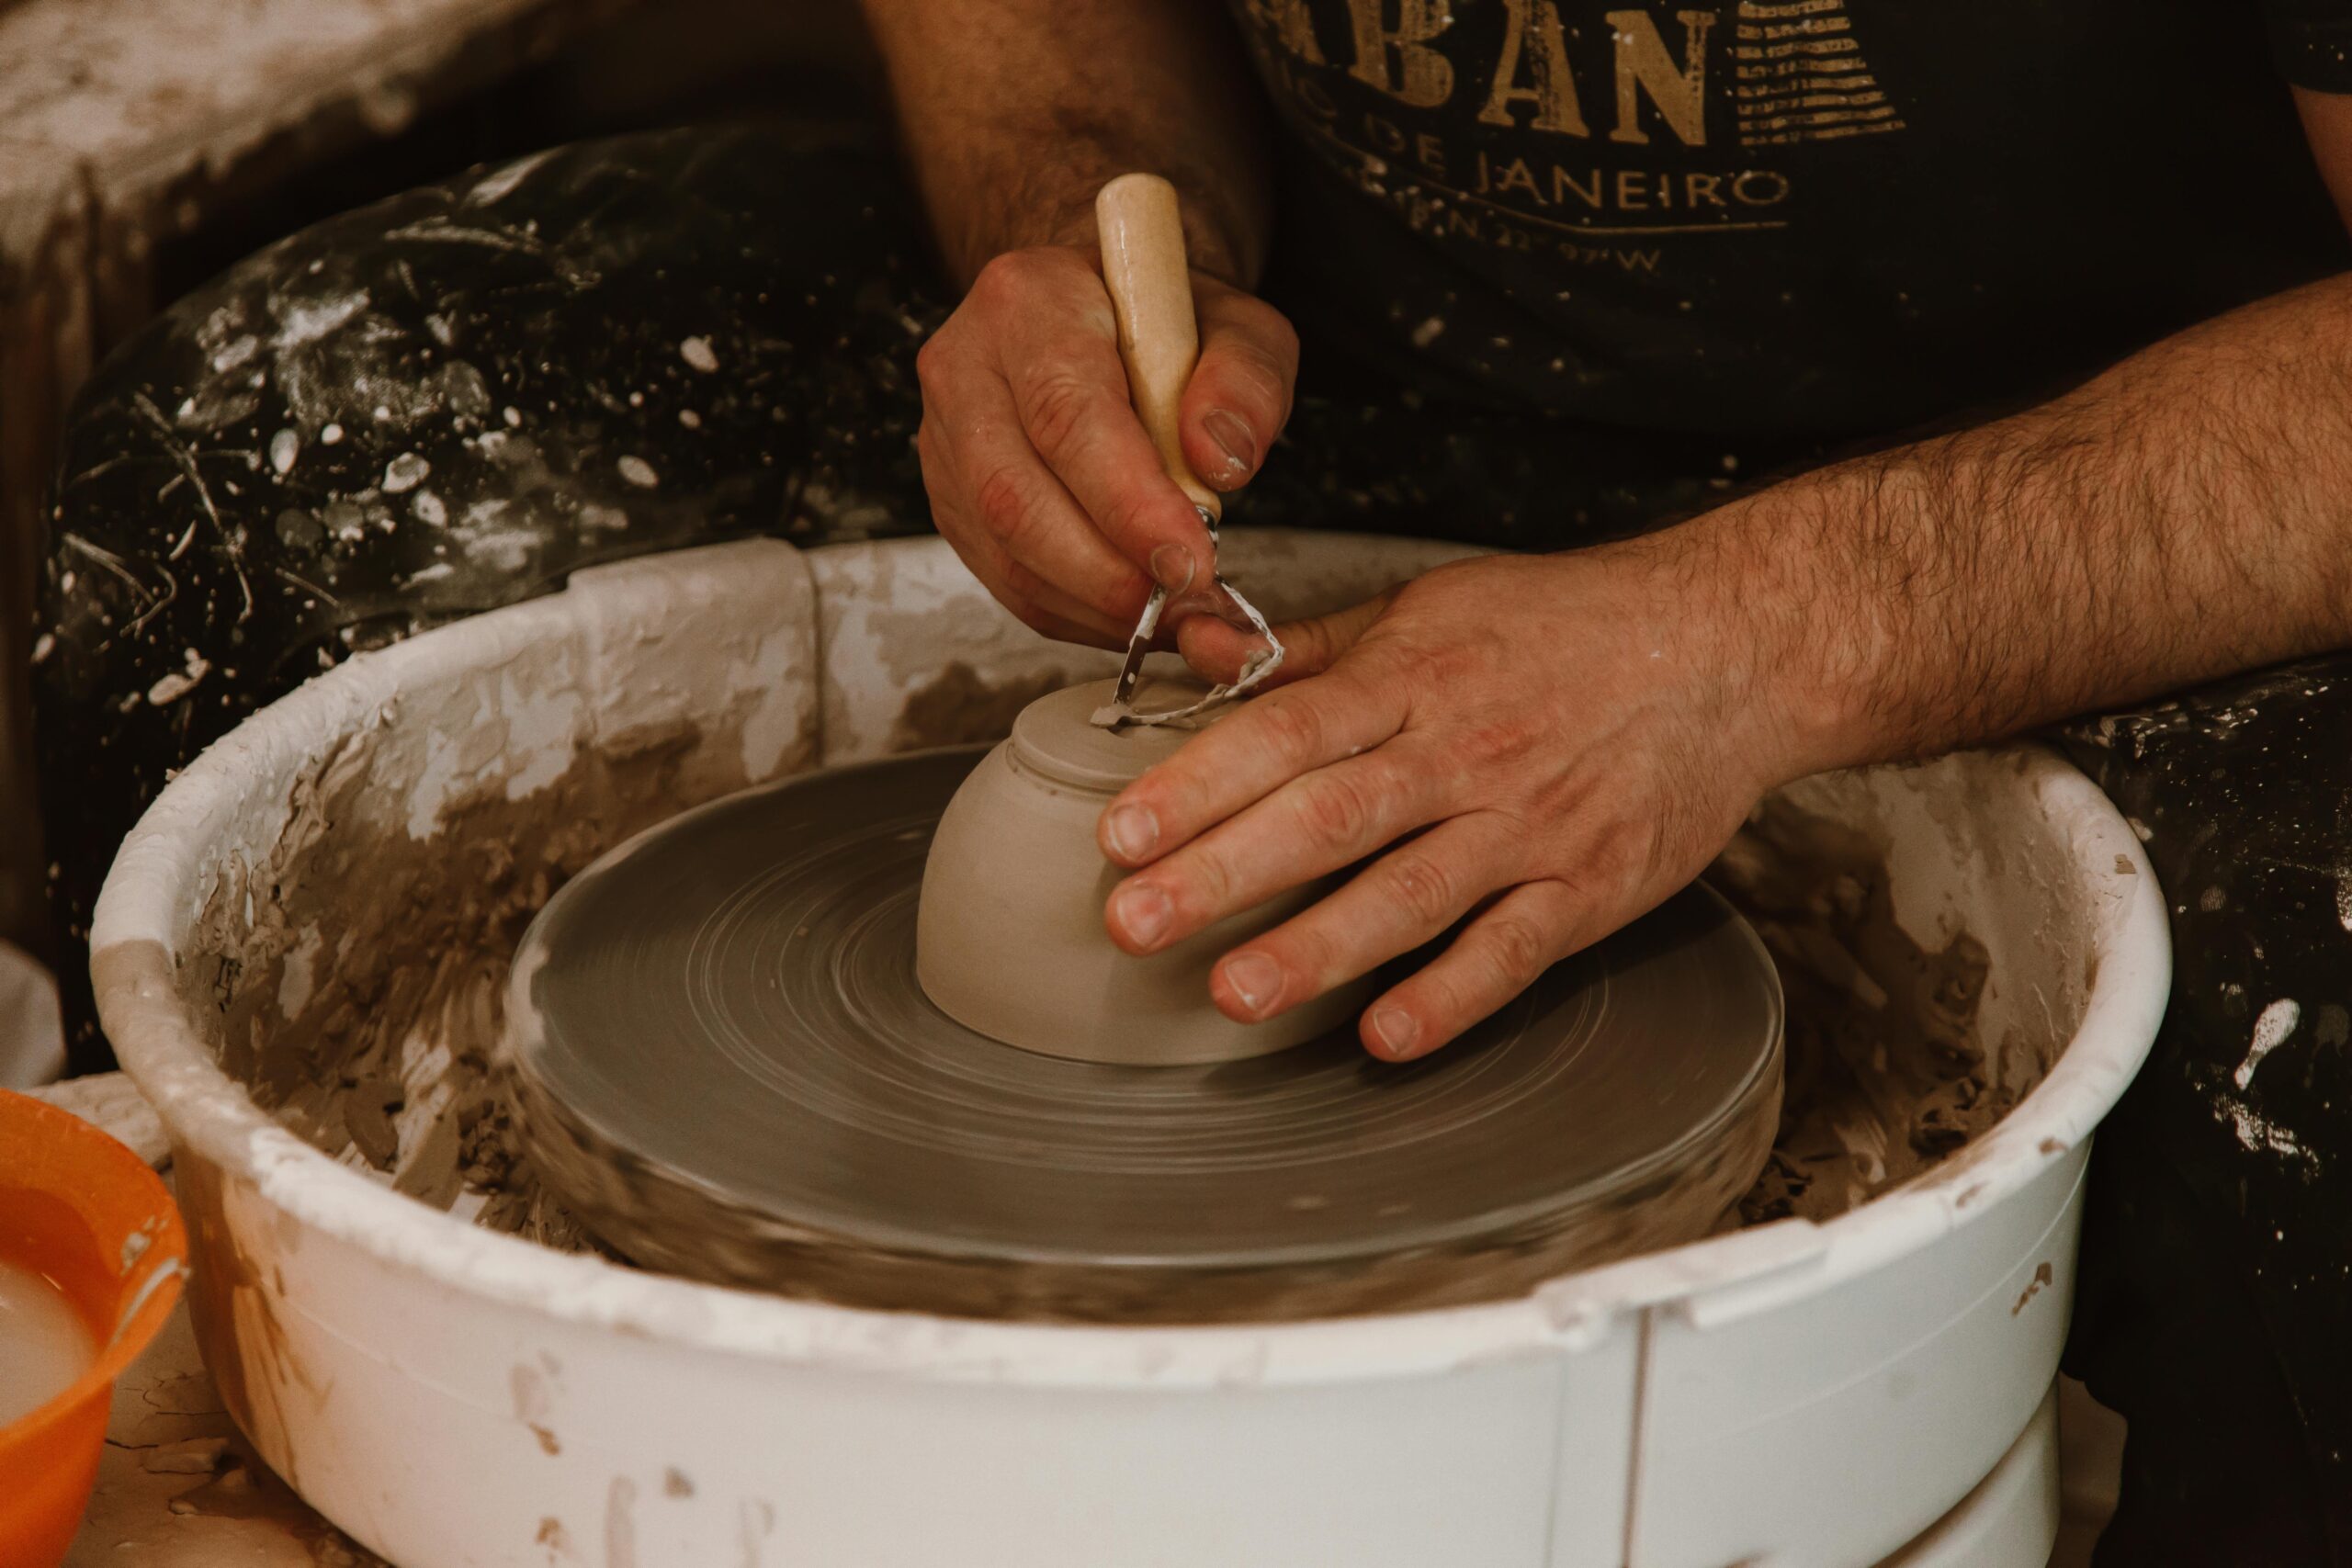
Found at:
<point>1233,439</point>
<point>1257,980</point>
<point>1142,913</point>
<point>1172,567</point>
<point>1395,1030</point>
<point>1132,831</point>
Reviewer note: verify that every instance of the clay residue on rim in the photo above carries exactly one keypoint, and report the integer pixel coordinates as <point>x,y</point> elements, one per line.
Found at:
<point>960,706</point>
<point>1886,1073</point>
<point>357,981</point>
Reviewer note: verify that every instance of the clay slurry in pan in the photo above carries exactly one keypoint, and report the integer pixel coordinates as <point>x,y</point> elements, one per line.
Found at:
<point>724,1067</point>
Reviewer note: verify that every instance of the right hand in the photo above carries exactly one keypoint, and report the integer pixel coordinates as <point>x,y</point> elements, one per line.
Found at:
<point>1039,472</point>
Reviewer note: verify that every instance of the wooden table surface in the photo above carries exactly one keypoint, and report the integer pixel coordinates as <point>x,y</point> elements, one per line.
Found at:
<point>178,1487</point>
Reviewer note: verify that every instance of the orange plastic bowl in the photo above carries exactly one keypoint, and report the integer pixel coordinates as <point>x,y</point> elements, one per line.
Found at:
<point>79,1207</point>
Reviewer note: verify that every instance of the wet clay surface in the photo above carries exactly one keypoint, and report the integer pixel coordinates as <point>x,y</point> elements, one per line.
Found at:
<point>729,1072</point>
<point>367,1025</point>
<point>370,1027</point>
<point>1886,1073</point>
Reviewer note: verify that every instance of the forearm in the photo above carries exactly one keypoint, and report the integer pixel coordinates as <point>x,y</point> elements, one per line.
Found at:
<point>1016,112</point>
<point>2185,515</point>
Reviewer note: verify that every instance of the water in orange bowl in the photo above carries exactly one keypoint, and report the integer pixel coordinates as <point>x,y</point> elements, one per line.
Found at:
<point>44,1343</point>
<point>91,1252</point>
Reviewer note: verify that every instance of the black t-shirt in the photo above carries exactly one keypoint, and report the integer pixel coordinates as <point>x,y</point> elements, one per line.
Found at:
<point>1787,219</point>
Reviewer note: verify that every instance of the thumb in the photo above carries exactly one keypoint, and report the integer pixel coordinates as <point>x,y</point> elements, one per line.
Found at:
<point>1216,649</point>
<point>1239,394</point>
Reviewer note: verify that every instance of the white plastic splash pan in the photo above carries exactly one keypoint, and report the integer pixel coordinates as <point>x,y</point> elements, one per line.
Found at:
<point>1788,1394</point>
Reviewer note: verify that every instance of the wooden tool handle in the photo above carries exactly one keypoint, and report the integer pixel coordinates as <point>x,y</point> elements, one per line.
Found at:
<point>1152,292</point>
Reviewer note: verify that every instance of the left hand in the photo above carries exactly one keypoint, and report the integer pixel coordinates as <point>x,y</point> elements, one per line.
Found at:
<point>1549,744</point>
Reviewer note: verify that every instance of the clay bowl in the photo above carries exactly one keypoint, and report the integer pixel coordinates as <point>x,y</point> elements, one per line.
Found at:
<point>1010,939</point>
<point>79,1208</point>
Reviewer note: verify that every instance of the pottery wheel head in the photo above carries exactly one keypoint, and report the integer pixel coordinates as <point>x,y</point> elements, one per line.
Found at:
<point>724,1067</point>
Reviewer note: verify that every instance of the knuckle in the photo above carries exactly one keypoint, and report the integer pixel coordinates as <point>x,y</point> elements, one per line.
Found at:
<point>1004,277</point>
<point>1252,379</point>
<point>1058,407</point>
<point>1001,500</point>
<point>1627,856</point>
<point>1256,321</point>
<point>1313,643</point>
<point>1124,515</point>
<point>1335,813</point>
<point>1499,741</point>
<point>1424,888</point>
<point>1293,730</point>
<point>1516,949</point>
<point>1617,855</point>
<point>1450,661</point>
<point>931,363</point>
<point>1431,598</point>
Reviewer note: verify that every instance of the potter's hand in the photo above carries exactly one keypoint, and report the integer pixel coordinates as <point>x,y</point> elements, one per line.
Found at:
<point>1560,743</point>
<point>1039,472</point>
